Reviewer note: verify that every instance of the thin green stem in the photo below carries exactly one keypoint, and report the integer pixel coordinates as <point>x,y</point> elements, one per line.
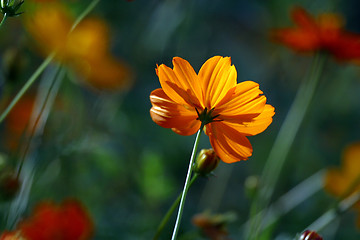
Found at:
<point>333,213</point>
<point>86,11</point>
<point>50,95</point>
<point>171,210</point>
<point>3,20</point>
<point>283,142</point>
<point>186,186</point>
<point>27,85</point>
<point>44,64</point>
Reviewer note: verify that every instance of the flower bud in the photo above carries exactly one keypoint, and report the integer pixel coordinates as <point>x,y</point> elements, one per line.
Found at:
<point>9,183</point>
<point>214,225</point>
<point>10,7</point>
<point>310,235</point>
<point>206,161</point>
<point>9,187</point>
<point>252,186</point>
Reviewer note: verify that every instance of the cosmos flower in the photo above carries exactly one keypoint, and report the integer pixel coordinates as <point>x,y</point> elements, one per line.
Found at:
<point>230,111</point>
<point>345,181</point>
<point>324,33</point>
<point>67,221</point>
<point>85,49</point>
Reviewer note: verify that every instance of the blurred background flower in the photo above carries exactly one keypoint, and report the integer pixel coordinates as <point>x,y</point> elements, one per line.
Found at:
<point>84,48</point>
<point>67,221</point>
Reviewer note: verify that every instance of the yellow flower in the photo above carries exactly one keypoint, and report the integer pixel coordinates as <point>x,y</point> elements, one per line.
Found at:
<point>231,111</point>
<point>345,181</point>
<point>49,25</point>
<point>85,49</point>
<point>339,181</point>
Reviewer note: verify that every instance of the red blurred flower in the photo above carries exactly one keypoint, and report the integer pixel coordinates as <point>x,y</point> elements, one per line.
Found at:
<point>67,221</point>
<point>17,121</point>
<point>324,33</point>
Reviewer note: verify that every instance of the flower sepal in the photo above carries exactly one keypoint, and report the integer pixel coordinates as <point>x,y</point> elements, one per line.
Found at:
<point>10,7</point>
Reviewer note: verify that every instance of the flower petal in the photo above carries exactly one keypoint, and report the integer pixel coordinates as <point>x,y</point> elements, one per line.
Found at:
<point>245,103</point>
<point>180,84</point>
<point>229,144</point>
<point>302,18</point>
<point>335,182</point>
<point>351,162</point>
<point>188,77</point>
<point>304,37</point>
<point>256,125</point>
<point>298,39</point>
<point>169,114</point>
<point>217,77</point>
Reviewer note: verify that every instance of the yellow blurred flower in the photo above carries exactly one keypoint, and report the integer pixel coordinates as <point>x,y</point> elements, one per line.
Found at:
<point>85,49</point>
<point>339,181</point>
<point>345,181</point>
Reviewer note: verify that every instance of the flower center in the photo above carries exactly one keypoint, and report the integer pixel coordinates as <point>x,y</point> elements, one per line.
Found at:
<point>206,116</point>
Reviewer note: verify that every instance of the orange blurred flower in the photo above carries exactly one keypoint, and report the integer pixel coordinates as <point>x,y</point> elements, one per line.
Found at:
<point>11,236</point>
<point>229,110</point>
<point>18,120</point>
<point>85,49</point>
<point>345,181</point>
<point>67,221</point>
<point>325,33</point>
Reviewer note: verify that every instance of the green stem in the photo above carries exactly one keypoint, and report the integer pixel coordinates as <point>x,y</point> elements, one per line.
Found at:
<point>3,20</point>
<point>171,210</point>
<point>47,103</point>
<point>187,185</point>
<point>87,10</point>
<point>333,213</point>
<point>284,140</point>
<point>27,85</point>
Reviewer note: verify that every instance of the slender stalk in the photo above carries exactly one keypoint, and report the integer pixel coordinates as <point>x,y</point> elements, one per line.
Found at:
<point>283,142</point>
<point>290,200</point>
<point>187,185</point>
<point>171,210</point>
<point>47,91</point>
<point>27,85</point>
<point>333,213</point>
<point>3,20</point>
<point>86,11</point>
<point>50,95</point>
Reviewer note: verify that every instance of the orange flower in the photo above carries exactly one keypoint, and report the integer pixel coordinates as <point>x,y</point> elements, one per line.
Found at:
<point>85,49</point>
<point>229,110</point>
<point>325,33</point>
<point>345,181</point>
<point>68,221</point>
